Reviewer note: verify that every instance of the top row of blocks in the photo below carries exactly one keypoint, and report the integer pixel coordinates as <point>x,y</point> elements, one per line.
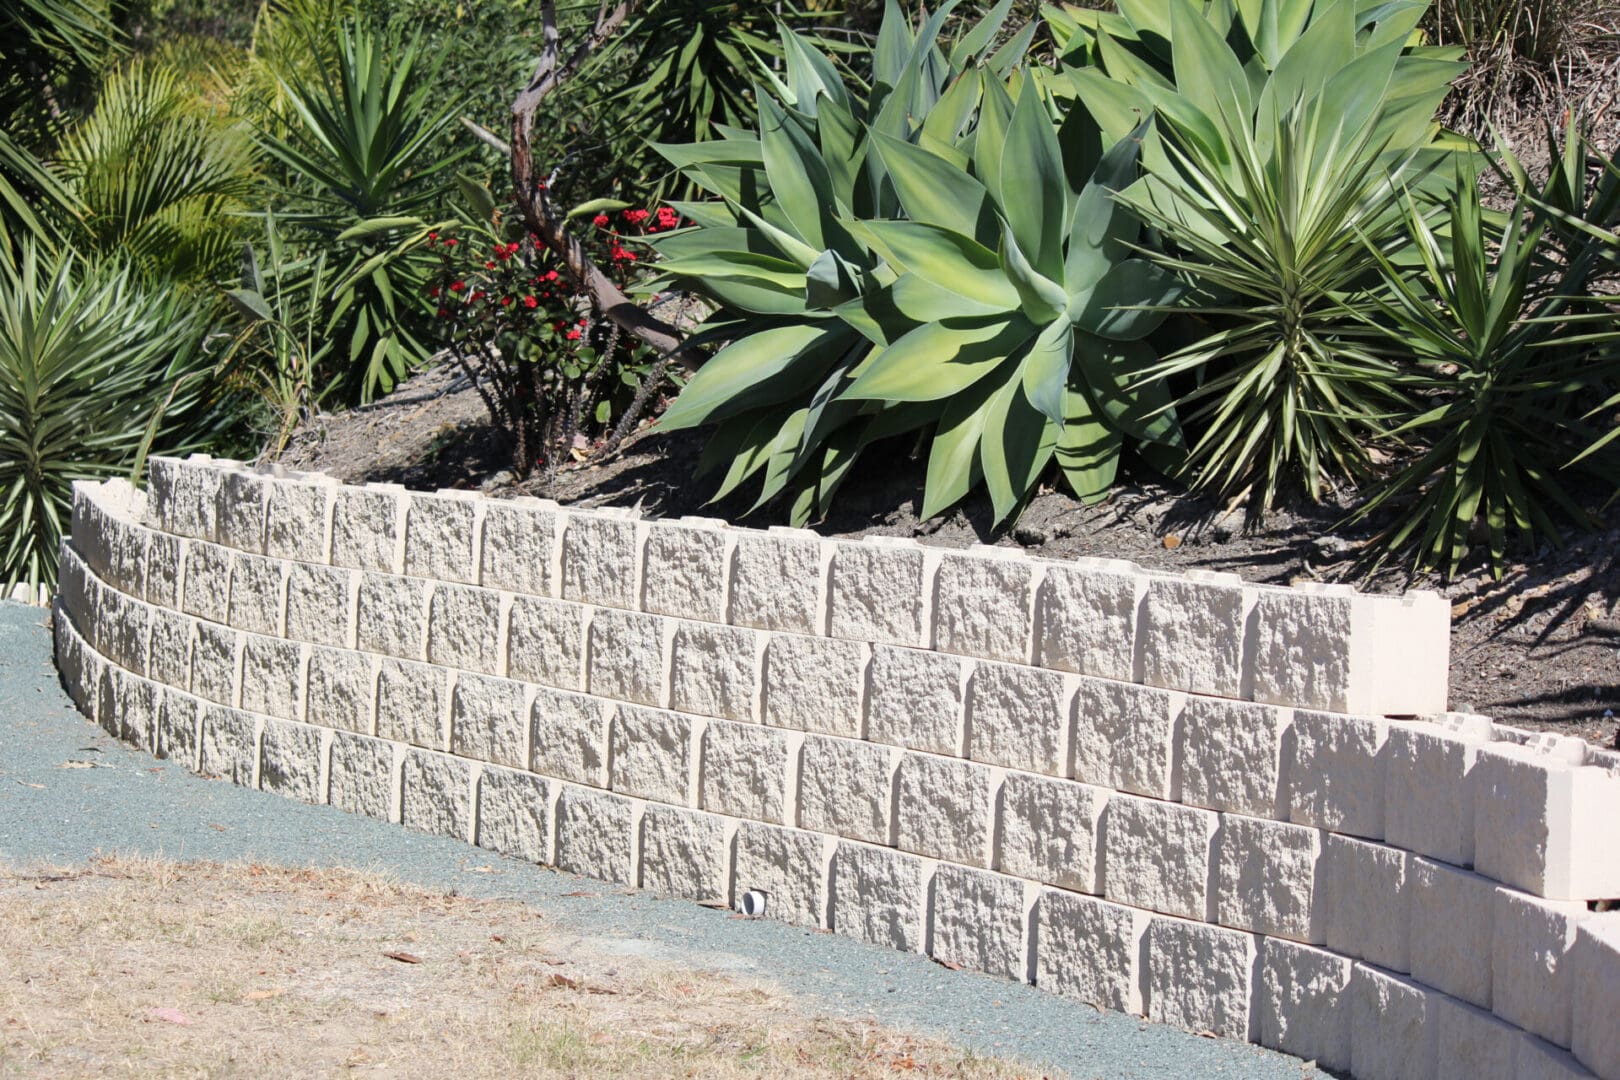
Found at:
<point>1316,647</point>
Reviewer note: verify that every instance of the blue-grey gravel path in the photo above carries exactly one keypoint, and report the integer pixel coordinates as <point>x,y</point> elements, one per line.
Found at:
<point>131,802</point>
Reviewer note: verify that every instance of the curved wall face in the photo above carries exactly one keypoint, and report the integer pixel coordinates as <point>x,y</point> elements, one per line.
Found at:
<point>1185,797</point>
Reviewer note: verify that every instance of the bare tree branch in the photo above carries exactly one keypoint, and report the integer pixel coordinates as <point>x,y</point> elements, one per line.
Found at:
<point>486,136</point>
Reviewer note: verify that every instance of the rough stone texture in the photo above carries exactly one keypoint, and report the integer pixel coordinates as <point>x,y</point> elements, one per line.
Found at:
<point>436,794</point>
<point>514,814</point>
<point>296,512</point>
<point>1335,773</point>
<point>1300,1002</point>
<point>1392,1031</point>
<point>1019,717</point>
<point>1124,736</point>
<point>1048,830</point>
<point>1265,878</point>
<point>814,684</point>
<point>915,700</point>
<point>169,652</point>
<point>1089,950</point>
<point>362,775</point>
<point>846,788</point>
<point>1471,1044</point>
<point>213,662</point>
<point>130,707</point>
<point>519,541</point>
<point>439,536</point>
<point>877,896</point>
<point>1231,755</point>
<point>1302,648</point>
<point>714,670</point>
<point>1428,794</point>
<point>942,808</point>
<point>745,771</point>
<point>982,604</point>
<point>1198,977</point>
<point>340,690</point>
<point>127,631</point>
<point>1367,902</point>
<point>1538,1060</point>
<point>978,922</point>
<point>687,568</point>
<point>1191,633</point>
<point>1544,824</point>
<point>1453,914</point>
<point>787,865</point>
<point>271,676</point>
<point>207,581</point>
<point>255,594</point>
<point>1156,855</point>
<point>411,703</point>
<point>626,657</point>
<point>240,514</point>
<point>185,494</point>
<point>1594,978</point>
<point>228,744</point>
<point>393,616</point>
<point>594,834</point>
<point>599,559</point>
<point>319,605</point>
<point>570,737</point>
<point>546,642</point>
<point>1086,613</point>
<point>366,525</point>
<point>489,720</point>
<point>291,761</point>
<point>177,736</point>
<point>684,853</point>
<point>165,559</point>
<point>875,592</point>
<point>652,755</point>
<point>1530,979</point>
<point>464,628</point>
<point>776,581</point>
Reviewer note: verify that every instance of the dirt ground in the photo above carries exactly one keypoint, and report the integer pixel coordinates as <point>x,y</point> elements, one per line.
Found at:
<point>152,968</point>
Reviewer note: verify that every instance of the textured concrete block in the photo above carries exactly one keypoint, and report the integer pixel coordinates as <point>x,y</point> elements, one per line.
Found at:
<point>651,755</point>
<point>1231,755</point>
<point>1545,825</point>
<point>1124,736</point>
<point>877,896</point>
<point>1156,855</point>
<point>571,737</point>
<point>514,814</point>
<point>165,563</point>
<point>1538,1060</point>
<point>788,866</point>
<point>412,703</point>
<point>847,788</point>
<point>228,744</point>
<point>745,771</point>
<point>1471,1044</point>
<point>777,581</point>
<point>875,591</point>
<point>169,654</point>
<point>1191,633</point>
<point>1367,902</point>
<point>241,511</point>
<point>1019,718</point>
<point>546,642</point>
<point>1530,979</point>
<point>439,532</point>
<point>1049,830</point>
<point>342,685</point>
<point>687,569</point>
<point>983,604</point>
<point>1300,1002</point>
<point>256,594</point>
<point>594,834</point>
<point>132,705</point>
<point>436,794</point>
<point>1086,614</point>
<point>464,628</point>
<point>272,676</point>
<point>298,514</point>
<point>518,547</point>
<point>915,700</point>
<point>127,634</point>
<point>393,615</point>
<point>206,589</point>
<point>366,527</point>
<point>814,684</point>
<point>978,922</point>
<point>714,670</point>
<point>489,720</point>
<point>1198,977</point>
<point>292,761</point>
<point>1265,878</point>
<point>1090,950</point>
<point>625,660</point>
<point>320,605</point>
<point>1428,791</point>
<point>177,735</point>
<point>684,853</point>
<point>1594,987</point>
<point>1335,773</point>
<point>362,775</point>
<point>1453,919</point>
<point>942,809</point>
<point>185,494</point>
<point>214,653</point>
<point>600,552</point>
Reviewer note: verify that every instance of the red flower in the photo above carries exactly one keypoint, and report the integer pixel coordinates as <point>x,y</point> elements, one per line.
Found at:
<point>600,221</point>
<point>551,275</point>
<point>444,313</point>
<point>636,217</point>
<point>584,322</point>
<point>572,335</point>
<point>506,301</point>
<point>450,242</point>
<point>530,302</point>
<point>475,297</point>
<point>434,292</point>
<point>489,266</point>
<point>457,286</point>
<point>667,218</point>
<point>433,236</point>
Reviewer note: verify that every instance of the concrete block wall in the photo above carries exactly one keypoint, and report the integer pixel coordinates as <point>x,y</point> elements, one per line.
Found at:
<point>1233,808</point>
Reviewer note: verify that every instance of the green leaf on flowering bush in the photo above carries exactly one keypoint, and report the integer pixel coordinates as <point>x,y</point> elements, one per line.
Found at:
<point>725,379</point>
<point>1045,372</point>
<point>597,206</point>
<point>1034,190</point>
<point>935,191</point>
<point>937,360</point>
<point>379,226</point>
<point>479,201</point>
<point>946,259</point>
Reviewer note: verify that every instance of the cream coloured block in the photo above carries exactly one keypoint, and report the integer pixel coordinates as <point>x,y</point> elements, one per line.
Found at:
<point>133,704</point>
<point>651,756</point>
<point>1124,736</point>
<point>1453,920</point>
<point>983,603</point>
<point>942,808</point>
<point>1265,878</point>
<point>1156,855</point>
<point>256,594</point>
<point>1365,890</point>
<point>815,684</point>
<point>366,527</point>
<point>778,581</point>
<point>1231,755</point>
<point>1019,717</point>
<point>127,632</point>
<point>546,642</point>
<point>228,744</point>
<point>464,628</point>
<point>177,732</point>
<point>595,834</point>
<point>1335,773</point>
<point>272,674</point>
<point>1198,977</point>
<point>165,562</point>
<point>412,703</point>
<point>714,670</point>
<point>1090,950</point>
<point>684,853</point>
<point>1594,966</point>
<point>518,541</point>
<point>877,896</point>
<point>745,771</point>
<point>436,794</point>
<point>1300,1002</point>
<point>600,551</point>
<point>915,699</point>
<point>240,515</point>
<point>393,615</point>
<point>1048,830</point>
<point>1086,614</point>
<point>571,737</point>
<point>788,866</point>
<point>846,788</point>
<point>514,814</point>
<point>342,689</point>
<point>1471,1044</point>
<point>1545,825</point>
<point>169,652</point>
<point>1530,966</point>
<point>439,536</point>
<point>297,522</point>
<point>978,922</point>
<point>320,605</point>
<point>1538,1060</point>
<point>1428,788</point>
<point>1190,636</point>
<point>489,720</point>
<point>625,657</point>
<point>688,565</point>
<point>875,591</point>
<point>214,654</point>
<point>185,494</point>
<point>291,762</point>
<point>362,775</point>
<point>206,589</point>
<point>1392,1027</point>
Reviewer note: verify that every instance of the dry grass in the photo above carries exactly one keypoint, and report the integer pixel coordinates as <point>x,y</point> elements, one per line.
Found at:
<point>135,967</point>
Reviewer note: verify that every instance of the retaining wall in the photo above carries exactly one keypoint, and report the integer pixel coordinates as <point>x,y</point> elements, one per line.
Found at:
<point>1232,808</point>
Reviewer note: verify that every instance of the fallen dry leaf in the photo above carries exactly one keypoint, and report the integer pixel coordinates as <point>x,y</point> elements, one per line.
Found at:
<point>1172,542</point>
<point>83,765</point>
<point>404,957</point>
<point>172,1016</point>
